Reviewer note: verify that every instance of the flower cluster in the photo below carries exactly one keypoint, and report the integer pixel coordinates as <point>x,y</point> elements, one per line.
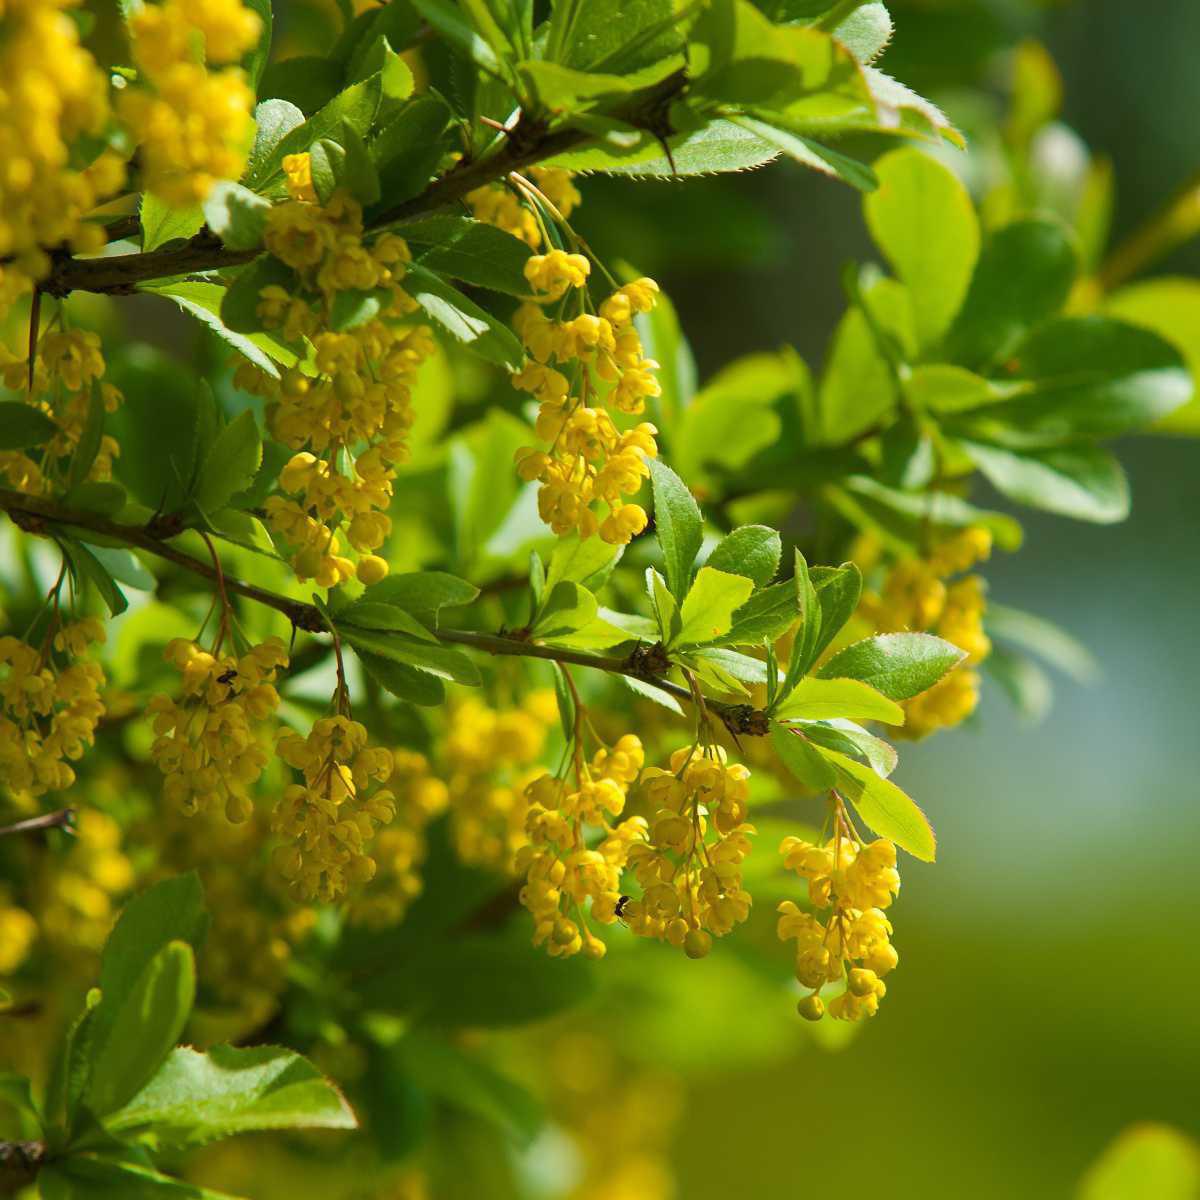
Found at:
<point>399,850</point>
<point>576,850</point>
<point>600,365</point>
<point>854,883</point>
<point>50,706</point>
<point>52,93</point>
<point>690,866</point>
<point>349,422</point>
<point>68,368</point>
<point>920,594</point>
<point>193,123</point>
<point>207,745</point>
<point>491,756</point>
<point>332,816</point>
<point>500,205</point>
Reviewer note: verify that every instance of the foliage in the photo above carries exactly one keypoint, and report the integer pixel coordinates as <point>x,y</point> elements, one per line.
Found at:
<point>355,614</point>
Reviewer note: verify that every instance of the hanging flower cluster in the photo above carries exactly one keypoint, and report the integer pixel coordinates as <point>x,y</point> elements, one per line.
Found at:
<point>491,756</point>
<point>68,367</point>
<point>852,883</point>
<point>920,594</point>
<point>690,866</point>
<point>349,422</point>
<point>192,123</point>
<point>208,745</point>
<point>52,93</point>
<point>599,365</point>
<point>577,849</point>
<point>330,819</point>
<point>399,850</point>
<point>50,705</point>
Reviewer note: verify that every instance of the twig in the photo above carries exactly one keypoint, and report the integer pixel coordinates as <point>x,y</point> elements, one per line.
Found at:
<point>64,818</point>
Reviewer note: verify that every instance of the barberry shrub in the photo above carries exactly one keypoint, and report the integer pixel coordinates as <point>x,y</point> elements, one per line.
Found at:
<point>432,627</point>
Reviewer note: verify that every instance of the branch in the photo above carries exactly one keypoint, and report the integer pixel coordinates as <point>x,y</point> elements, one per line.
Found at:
<point>64,818</point>
<point>34,513</point>
<point>19,1165</point>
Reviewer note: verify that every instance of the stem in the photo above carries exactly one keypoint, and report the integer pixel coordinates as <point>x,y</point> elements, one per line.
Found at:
<point>34,513</point>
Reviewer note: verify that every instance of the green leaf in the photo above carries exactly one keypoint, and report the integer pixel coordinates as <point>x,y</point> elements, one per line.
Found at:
<point>197,1098</point>
<point>22,425</point>
<point>89,439</point>
<point>818,699</point>
<point>359,175</point>
<point>144,1029</point>
<point>848,738</point>
<point>123,567</point>
<point>467,1083</point>
<point>677,525</point>
<point>801,758</point>
<point>838,590</point>
<point>80,1177</point>
<point>16,1094</point>
<point>327,163</point>
<point>922,219</point>
<point>569,607</point>
<point>890,812</point>
<point>236,215</point>
<point>707,610</point>
<point>478,330</point>
<point>408,148</point>
<point>899,109</point>
<point>470,250</point>
<point>1146,1160</point>
<point>807,639</point>
<point>943,388</point>
<point>437,660</point>
<point>255,60</point>
<point>87,567</point>
<point>1023,278</point>
<point>812,154</point>
<point>170,911</point>
<point>648,691</point>
<point>205,302</point>
<point>1094,377</point>
<point>666,608</point>
<point>751,550</point>
<point>274,120</point>
<point>449,21</point>
<point>1084,482</point>
<point>1026,685</point>
<point>767,615</point>
<point>417,687</point>
<point>372,614</point>
<point>479,981</point>
<point>858,386</point>
<point>231,463</point>
<point>899,665</point>
<point>1050,642</point>
<point>588,561</point>
<point>161,223</point>
<point>423,593</point>
<point>613,35</point>
<point>866,32</point>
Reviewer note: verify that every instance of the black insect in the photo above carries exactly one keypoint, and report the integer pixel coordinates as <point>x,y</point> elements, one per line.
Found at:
<point>228,677</point>
<point>621,903</point>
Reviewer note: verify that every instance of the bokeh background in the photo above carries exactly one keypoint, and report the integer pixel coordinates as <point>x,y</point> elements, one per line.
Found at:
<point>1050,961</point>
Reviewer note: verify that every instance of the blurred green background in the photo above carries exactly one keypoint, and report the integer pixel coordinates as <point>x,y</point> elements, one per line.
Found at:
<point>1049,966</point>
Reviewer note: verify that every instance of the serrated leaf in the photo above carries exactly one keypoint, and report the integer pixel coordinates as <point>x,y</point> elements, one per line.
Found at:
<point>144,1029</point>
<point>677,525</point>
<point>582,560</point>
<point>470,250</point>
<point>162,223</point>
<point>751,550</point>
<point>417,687</point>
<point>423,593</point>
<point>801,759</point>
<point>231,463</point>
<point>848,738</point>
<point>197,1098</point>
<point>274,120</point>
<point>374,614</point>
<point>236,215</point>
<point>665,606</point>
<point>478,330</point>
<point>767,615</point>
<point>817,699</point>
<point>88,568</point>
<point>648,691</point>
<point>569,607</point>
<point>810,153</point>
<point>708,608</point>
<point>437,660</point>
<point>898,665</point>
<point>22,426</point>
<point>890,812</point>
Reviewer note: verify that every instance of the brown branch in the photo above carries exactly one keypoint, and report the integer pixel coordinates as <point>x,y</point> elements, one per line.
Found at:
<point>19,1165</point>
<point>34,514</point>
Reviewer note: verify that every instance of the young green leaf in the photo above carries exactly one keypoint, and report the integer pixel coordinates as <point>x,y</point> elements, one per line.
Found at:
<point>196,1098</point>
<point>144,1029</point>
<point>767,615</point>
<point>423,593</point>
<point>390,618</point>
<point>162,223</point>
<point>86,567</point>
<point>751,550</point>
<point>22,425</point>
<point>666,609</point>
<point>236,215</point>
<point>478,330</point>
<point>838,590</point>
<point>83,1177</point>
<point>89,439</point>
<point>677,524</point>
<point>814,699</point>
<point>804,645</point>
<point>470,250</point>
<point>417,687</point>
<point>899,665</point>
<point>890,812</point>
<point>707,610</point>
<point>801,759</point>
<point>588,561</point>
<point>569,607</point>
<point>231,463</point>
<point>848,738</point>
<point>438,660</point>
